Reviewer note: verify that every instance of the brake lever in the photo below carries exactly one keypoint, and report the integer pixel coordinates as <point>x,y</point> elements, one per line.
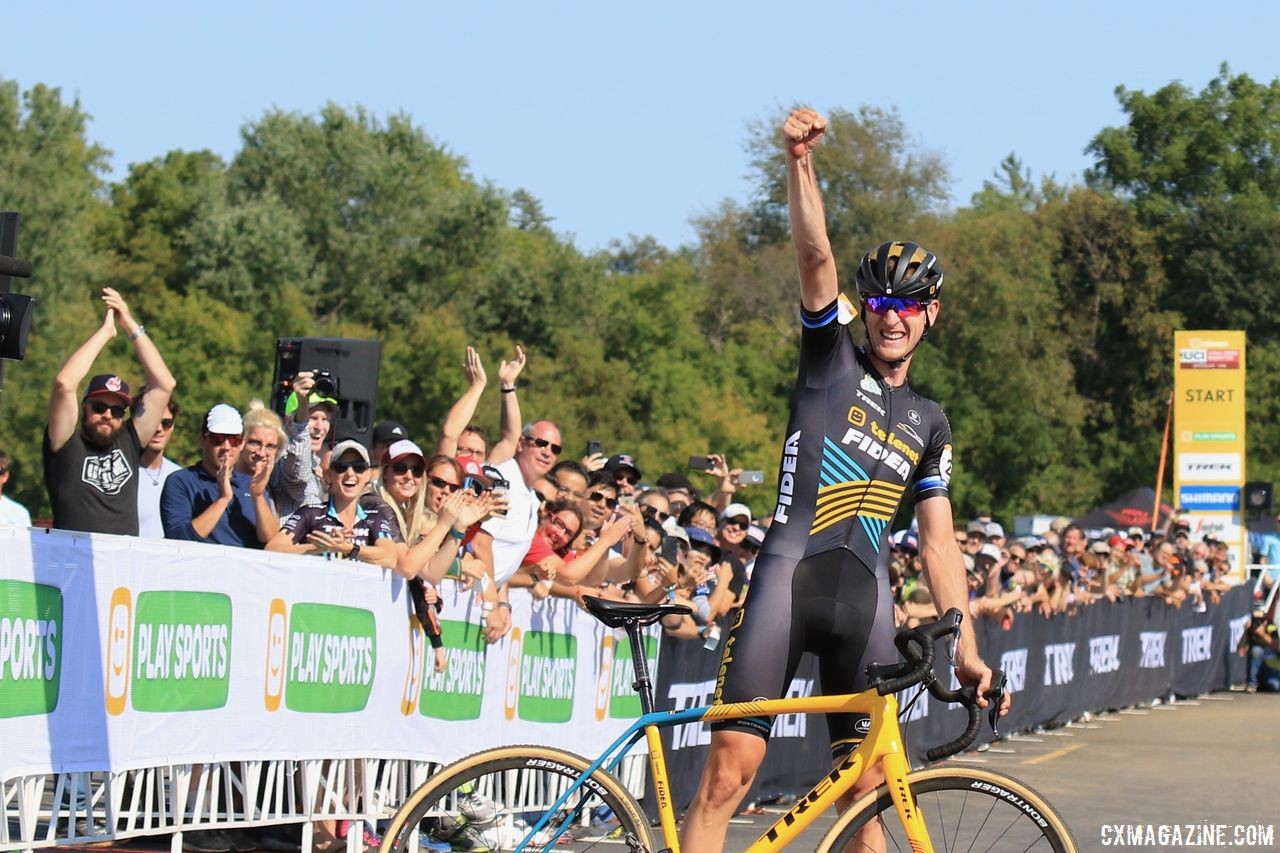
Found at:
<point>996,696</point>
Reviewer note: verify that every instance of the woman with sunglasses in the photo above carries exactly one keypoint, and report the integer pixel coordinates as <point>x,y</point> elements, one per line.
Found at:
<point>436,510</point>
<point>858,437</point>
<point>341,529</point>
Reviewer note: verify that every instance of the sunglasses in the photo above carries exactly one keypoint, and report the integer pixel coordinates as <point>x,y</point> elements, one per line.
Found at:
<point>100,407</point>
<point>218,439</point>
<point>655,513</point>
<point>165,423</point>
<point>737,522</point>
<point>542,442</point>
<point>625,478</point>
<point>900,305</point>
<point>596,497</point>
<point>342,466</point>
<point>437,482</point>
<point>405,468</point>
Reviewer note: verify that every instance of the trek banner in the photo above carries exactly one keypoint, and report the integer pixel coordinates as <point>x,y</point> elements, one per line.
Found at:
<point>118,653</point>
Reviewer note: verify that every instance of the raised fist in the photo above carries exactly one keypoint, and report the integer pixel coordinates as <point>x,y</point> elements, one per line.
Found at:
<point>802,130</point>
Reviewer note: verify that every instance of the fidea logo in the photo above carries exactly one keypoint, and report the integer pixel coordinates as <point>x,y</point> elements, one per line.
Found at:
<point>624,702</point>
<point>30,648</point>
<point>332,656</point>
<point>458,692</point>
<point>542,671</point>
<point>175,648</point>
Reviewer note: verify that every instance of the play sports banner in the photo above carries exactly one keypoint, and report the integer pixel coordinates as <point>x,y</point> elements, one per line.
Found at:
<point>1209,442</point>
<point>118,653</point>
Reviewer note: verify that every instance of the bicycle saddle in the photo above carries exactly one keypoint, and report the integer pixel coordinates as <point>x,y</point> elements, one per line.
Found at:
<point>616,614</point>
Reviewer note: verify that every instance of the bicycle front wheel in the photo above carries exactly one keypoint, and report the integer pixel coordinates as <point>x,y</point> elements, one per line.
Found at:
<point>493,799</point>
<point>964,809</point>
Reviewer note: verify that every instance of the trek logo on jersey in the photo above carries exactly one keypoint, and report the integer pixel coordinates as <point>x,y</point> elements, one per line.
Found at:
<point>30,648</point>
<point>108,473</point>
<point>1059,666</point>
<point>876,444</point>
<point>871,404</point>
<point>548,677</point>
<point>787,483</point>
<point>1197,644</point>
<point>1014,664</point>
<point>458,692</point>
<point>333,655</point>
<point>624,702</point>
<point>181,651</point>
<point>1152,643</point>
<point>1104,654</point>
<point>869,385</point>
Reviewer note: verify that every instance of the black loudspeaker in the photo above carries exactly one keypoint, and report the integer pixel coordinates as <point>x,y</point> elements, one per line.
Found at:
<point>15,323</point>
<point>354,362</point>
<point>1257,498</point>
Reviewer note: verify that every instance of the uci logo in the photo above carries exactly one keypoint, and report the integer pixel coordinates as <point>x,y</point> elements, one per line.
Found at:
<point>413,678</point>
<point>119,628</point>
<point>277,631</point>
<point>514,644</point>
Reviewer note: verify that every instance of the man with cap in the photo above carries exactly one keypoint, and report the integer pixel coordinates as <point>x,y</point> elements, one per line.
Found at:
<point>341,528</point>
<point>731,532</point>
<point>385,434</point>
<point>624,473</point>
<point>91,472</point>
<point>214,501</point>
<point>299,482</point>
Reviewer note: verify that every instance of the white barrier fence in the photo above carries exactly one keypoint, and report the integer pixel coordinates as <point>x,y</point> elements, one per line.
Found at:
<point>301,688</point>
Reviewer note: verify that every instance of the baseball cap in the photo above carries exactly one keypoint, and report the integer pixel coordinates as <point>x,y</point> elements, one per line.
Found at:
<point>976,527</point>
<point>989,550</point>
<point>698,536</point>
<point>675,531</point>
<point>620,462</point>
<point>1136,533</point>
<point>1116,541</point>
<point>400,449</point>
<point>223,419</point>
<point>291,402</point>
<point>1100,547</point>
<point>389,431</point>
<point>350,444</point>
<point>736,510</point>
<point>108,383</point>
<point>755,535</point>
<point>994,530</point>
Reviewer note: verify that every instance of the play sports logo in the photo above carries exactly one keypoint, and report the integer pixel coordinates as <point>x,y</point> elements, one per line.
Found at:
<point>30,648</point>
<point>168,651</point>
<point>458,692</point>
<point>327,660</point>
<point>542,672</point>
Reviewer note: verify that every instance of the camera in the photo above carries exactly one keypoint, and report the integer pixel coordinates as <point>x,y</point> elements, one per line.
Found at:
<point>326,383</point>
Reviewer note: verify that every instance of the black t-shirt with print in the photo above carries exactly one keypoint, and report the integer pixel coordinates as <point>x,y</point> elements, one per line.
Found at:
<point>94,489</point>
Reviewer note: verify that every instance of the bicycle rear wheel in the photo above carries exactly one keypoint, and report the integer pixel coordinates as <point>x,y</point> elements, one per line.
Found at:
<point>964,809</point>
<point>490,801</point>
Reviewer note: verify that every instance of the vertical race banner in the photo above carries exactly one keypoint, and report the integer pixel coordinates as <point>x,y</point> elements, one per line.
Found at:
<point>1208,448</point>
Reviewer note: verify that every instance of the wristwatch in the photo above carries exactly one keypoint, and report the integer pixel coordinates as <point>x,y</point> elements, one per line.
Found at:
<point>354,554</point>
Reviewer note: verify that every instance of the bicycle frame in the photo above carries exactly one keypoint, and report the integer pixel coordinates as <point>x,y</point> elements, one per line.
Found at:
<point>883,745</point>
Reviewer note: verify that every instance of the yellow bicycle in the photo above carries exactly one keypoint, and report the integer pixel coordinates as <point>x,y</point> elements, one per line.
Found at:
<point>532,797</point>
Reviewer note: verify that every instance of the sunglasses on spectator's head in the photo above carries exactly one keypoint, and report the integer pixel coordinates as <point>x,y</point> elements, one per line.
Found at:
<point>218,439</point>
<point>443,484</point>
<point>542,442</point>
<point>100,407</point>
<point>342,466</point>
<point>403,468</point>
<point>597,497</point>
<point>900,305</point>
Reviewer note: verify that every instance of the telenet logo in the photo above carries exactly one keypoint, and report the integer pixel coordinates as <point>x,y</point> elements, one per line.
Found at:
<point>413,678</point>
<point>277,654</point>
<point>119,629</point>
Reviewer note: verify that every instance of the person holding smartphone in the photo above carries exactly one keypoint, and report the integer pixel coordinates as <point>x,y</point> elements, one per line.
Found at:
<point>858,432</point>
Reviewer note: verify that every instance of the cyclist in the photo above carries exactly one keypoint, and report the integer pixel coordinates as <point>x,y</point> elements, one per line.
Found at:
<point>858,437</point>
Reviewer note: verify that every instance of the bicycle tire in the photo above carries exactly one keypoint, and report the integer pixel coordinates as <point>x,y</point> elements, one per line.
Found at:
<point>497,765</point>
<point>964,809</point>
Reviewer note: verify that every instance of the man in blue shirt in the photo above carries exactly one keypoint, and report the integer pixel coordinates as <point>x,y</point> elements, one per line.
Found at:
<point>212,501</point>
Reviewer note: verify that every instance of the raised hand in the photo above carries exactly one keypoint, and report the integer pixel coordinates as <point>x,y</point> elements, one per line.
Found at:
<point>473,369</point>
<point>509,371</point>
<point>802,130</point>
<point>261,477</point>
<point>117,306</point>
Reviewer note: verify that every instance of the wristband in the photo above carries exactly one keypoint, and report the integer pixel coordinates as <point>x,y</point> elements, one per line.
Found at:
<point>456,535</point>
<point>506,604</point>
<point>510,390</point>
<point>486,607</point>
<point>138,332</point>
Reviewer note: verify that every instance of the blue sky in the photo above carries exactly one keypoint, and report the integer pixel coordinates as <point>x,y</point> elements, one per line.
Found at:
<point>631,118</point>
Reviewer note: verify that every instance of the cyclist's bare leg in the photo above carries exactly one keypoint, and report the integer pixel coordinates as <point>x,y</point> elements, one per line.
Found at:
<point>871,838</point>
<point>731,767</point>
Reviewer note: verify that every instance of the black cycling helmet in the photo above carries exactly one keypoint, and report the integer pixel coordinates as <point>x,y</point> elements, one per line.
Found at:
<point>899,268</point>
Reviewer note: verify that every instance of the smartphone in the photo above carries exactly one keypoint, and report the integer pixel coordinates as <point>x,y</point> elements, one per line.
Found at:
<point>626,501</point>
<point>594,447</point>
<point>669,550</point>
<point>700,463</point>
<point>498,486</point>
<point>750,478</point>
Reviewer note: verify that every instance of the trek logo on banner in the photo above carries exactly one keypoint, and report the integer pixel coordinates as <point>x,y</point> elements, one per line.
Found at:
<point>1208,467</point>
<point>543,672</point>
<point>458,692</point>
<point>1209,498</point>
<point>171,651</point>
<point>30,648</point>
<point>332,657</point>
